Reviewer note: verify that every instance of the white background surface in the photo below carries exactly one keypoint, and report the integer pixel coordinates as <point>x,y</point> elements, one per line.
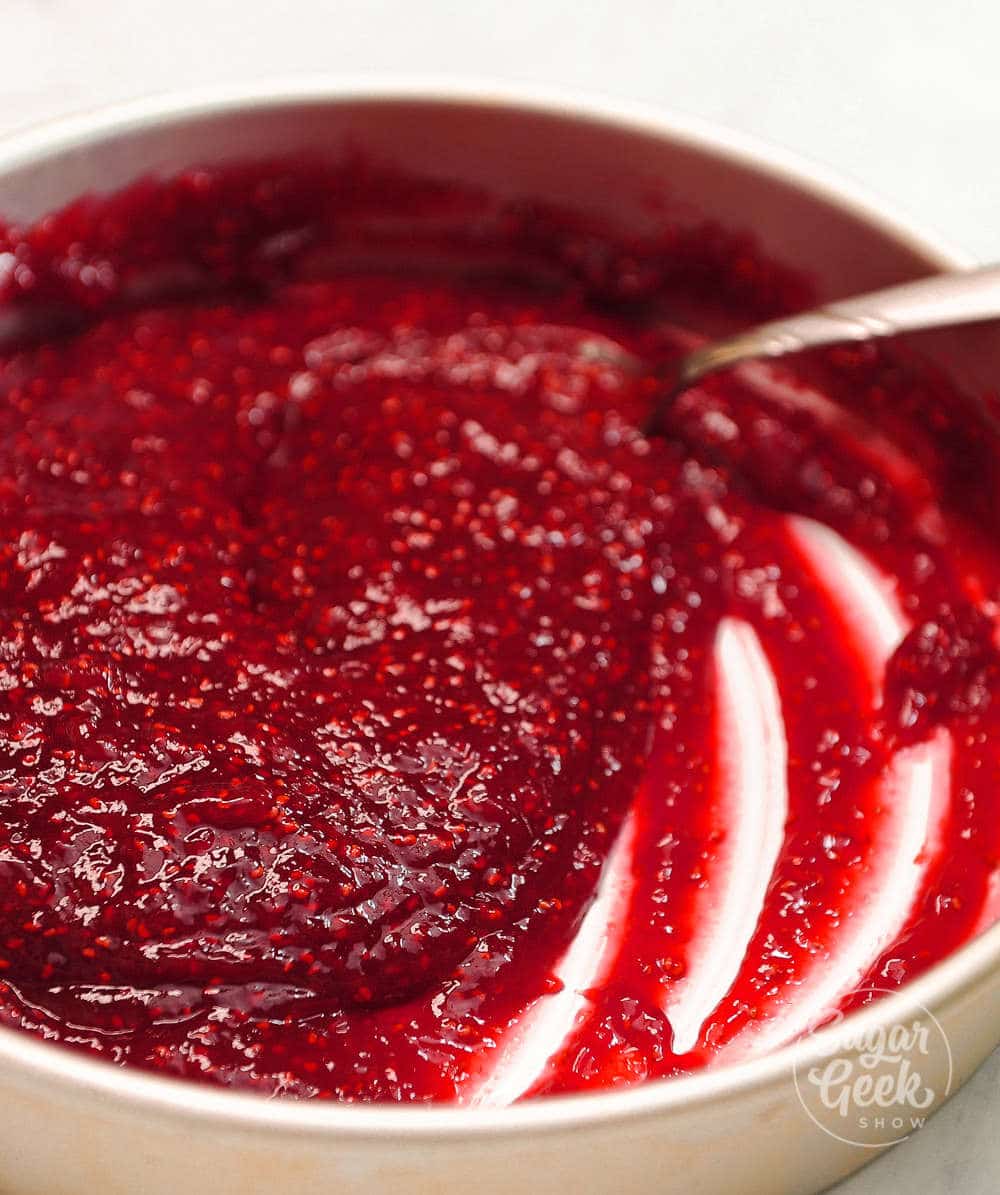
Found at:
<point>903,95</point>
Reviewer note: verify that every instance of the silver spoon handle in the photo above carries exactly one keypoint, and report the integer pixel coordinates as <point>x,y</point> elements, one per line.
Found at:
<point>936,302</point>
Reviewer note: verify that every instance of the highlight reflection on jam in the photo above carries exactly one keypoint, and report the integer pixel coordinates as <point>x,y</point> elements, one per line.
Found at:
<point>384,717</point>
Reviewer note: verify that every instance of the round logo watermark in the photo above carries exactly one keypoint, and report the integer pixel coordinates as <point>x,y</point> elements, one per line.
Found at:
<point>877,1087</point>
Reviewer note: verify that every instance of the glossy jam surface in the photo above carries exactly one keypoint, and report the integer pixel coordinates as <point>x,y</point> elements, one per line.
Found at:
<point>384,716</point>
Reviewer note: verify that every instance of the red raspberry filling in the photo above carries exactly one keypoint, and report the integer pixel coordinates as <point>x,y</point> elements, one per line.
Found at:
<point>347,616</point>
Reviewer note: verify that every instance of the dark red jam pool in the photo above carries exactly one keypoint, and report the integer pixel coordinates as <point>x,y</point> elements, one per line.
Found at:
<point>383,716</point>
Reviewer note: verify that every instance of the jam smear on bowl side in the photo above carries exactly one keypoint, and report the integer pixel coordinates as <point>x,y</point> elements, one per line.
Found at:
<point>384,717</point>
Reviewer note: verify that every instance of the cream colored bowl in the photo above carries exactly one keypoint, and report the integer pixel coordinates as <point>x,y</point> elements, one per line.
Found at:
<point>70,1125</point>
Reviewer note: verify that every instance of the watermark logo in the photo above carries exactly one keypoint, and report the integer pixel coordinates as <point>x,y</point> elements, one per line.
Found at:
<point>877,1087</point>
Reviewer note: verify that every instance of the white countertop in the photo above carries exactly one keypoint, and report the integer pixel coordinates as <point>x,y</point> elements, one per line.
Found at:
<point>902,95</point>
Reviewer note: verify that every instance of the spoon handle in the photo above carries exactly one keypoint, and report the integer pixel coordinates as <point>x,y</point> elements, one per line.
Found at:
<point>936,302</point>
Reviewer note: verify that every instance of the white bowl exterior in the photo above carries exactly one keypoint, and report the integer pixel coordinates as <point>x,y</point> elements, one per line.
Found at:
<point>72,1126</point>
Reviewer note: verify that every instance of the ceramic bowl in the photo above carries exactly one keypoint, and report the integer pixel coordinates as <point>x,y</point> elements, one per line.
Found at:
<point>71,1125</point>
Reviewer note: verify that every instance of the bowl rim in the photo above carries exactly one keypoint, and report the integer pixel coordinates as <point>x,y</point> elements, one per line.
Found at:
<point>35,1064</point>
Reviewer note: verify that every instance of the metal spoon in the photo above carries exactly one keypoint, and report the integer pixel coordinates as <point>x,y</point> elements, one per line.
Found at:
<point>936,302</point>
